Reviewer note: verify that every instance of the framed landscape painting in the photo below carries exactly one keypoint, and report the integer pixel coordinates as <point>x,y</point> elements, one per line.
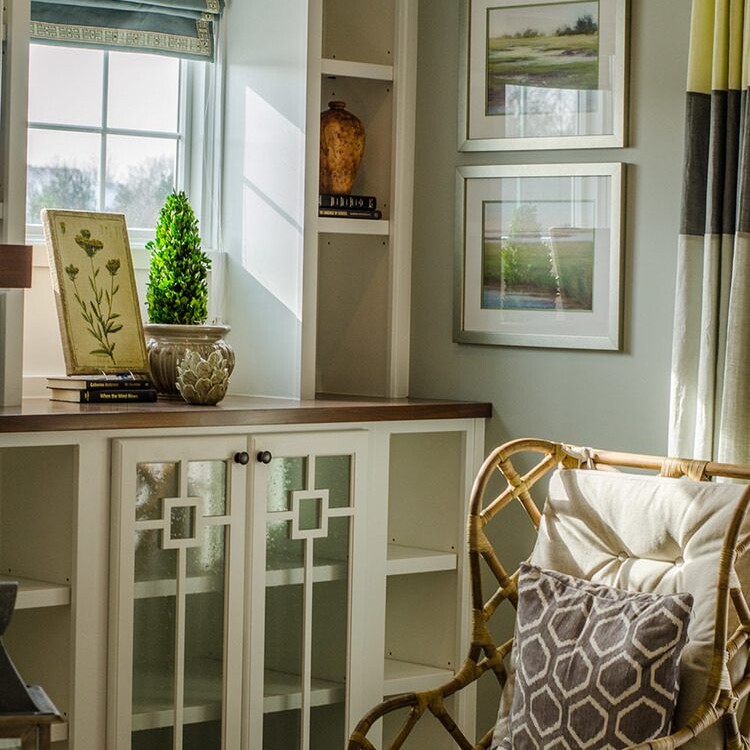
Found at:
<point>95,292</point>
<point>538,255</point>
<point>542,74</point>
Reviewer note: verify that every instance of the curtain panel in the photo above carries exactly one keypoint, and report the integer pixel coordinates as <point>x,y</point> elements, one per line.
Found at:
<point>710,388</point>
<point>182,28</point>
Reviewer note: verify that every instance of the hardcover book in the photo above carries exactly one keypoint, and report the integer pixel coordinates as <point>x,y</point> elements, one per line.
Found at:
<point>96,382</point>
<point>104,395</point>
<point>327,200</point>
<point>350,213</point>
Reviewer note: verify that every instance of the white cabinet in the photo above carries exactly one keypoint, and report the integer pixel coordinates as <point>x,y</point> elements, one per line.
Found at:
<point>174,598</point>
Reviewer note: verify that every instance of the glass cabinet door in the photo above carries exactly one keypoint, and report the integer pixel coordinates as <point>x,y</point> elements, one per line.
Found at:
<point>306,507</point>
<point>179,562</point>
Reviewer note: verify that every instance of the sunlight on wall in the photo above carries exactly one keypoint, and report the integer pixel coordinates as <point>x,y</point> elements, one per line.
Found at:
<point>273,192</point>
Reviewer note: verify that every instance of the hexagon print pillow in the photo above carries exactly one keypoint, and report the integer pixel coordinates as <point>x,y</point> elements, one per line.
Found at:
<point>597,667</point>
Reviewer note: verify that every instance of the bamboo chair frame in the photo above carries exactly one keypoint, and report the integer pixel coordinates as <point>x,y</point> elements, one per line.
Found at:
<point>486,656</point>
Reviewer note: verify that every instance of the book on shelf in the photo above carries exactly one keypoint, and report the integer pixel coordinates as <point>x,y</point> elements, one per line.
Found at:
<point>104,395</point>
<point>97,382</point>
<point>350,213</point>
<point>328,200</point>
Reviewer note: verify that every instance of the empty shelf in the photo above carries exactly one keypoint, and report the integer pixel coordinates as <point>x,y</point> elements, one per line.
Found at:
<point>33,594</point>
<point>282,692</point>
<point>405,677</point>
<point>351,69</point>
<point>403,560</point>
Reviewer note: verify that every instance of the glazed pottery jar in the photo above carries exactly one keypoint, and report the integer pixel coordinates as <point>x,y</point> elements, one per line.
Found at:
<point>167,344</point>
<point>342,143</point>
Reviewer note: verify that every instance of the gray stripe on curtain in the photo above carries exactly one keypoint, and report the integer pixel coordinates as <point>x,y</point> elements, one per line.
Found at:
<point>711,158</point>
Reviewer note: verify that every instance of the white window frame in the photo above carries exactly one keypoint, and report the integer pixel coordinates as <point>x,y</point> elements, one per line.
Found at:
<point>188,80</point>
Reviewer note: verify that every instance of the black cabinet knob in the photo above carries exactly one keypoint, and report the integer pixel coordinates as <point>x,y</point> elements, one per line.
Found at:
<point>265,457</point>
<point>243,458</point>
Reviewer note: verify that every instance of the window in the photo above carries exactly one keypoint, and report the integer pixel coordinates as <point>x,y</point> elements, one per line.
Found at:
<point>107,132</point>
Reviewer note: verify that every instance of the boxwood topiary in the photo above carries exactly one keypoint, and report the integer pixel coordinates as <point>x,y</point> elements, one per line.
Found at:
<point>177,290</point>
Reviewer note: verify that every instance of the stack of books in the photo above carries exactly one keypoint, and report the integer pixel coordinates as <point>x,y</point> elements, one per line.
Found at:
<point>349,206</point>
<point>102,389</point>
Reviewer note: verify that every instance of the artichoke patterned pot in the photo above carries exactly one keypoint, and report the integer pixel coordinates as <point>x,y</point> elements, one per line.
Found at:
<point>202,380</point>
<point>167,344</point>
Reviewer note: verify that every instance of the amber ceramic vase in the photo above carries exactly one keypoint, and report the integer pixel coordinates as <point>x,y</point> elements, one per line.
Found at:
<point>342,143</point>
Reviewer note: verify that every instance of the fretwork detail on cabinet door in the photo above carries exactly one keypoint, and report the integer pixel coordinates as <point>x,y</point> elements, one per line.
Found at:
<point>306,600</point>
<point>177,586</point>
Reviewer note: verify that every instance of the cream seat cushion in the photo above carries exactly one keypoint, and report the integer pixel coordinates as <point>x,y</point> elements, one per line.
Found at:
<point>648,534</point>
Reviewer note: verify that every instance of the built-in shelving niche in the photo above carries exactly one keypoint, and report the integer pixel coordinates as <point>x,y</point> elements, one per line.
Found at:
<point>38,491</point>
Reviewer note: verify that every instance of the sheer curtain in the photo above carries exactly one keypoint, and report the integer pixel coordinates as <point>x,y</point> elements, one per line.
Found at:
<point>710,387</point>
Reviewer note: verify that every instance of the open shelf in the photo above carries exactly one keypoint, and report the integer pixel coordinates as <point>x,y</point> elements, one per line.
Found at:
<point>331,225</point>
<point>288,574</point>
<point>406,677</point>
<point>33,594</point>
<point>282,692</point>
<point>351,69</point>
<point>404,560</point>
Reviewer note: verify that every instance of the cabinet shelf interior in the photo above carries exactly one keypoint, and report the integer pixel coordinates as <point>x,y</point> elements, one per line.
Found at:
<point>282,692</point>
<point>33,594</point>
<point>404,560</point>
<point>351,69</point>
<point>153,706</point>
<point>403,676</point>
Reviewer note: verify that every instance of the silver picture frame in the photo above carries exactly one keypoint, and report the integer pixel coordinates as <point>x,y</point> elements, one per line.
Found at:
<point>529,82</point>
<point>538,255</point>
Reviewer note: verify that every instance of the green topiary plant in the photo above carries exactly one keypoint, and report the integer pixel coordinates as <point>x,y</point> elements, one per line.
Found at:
<point>177,289</point>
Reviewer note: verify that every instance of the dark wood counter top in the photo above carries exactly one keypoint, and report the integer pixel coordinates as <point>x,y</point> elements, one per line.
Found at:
<point>43,415</point>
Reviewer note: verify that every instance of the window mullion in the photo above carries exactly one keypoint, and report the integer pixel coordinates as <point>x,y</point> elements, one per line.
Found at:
<point>104,122</point>
<point>184,126</point>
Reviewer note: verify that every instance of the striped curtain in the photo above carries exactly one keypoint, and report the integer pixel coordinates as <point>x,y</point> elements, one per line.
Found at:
<point>710,388</point>
<point>181,28</point>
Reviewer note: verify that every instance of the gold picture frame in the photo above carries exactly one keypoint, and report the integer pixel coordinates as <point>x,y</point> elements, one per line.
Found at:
<point>95,292</point>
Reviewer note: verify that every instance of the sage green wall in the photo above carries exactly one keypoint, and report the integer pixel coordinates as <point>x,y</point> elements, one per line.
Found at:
<point>616,400</point>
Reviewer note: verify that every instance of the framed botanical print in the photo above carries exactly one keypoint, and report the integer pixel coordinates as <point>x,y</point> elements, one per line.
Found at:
<point>538,255</point>
<point>543,74</point>
<point>95,292</point>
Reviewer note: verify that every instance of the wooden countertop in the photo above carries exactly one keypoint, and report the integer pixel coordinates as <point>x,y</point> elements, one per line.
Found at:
<point>43,415</point>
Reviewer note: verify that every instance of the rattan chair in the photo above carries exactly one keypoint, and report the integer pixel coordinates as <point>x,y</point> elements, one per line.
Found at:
<point>716,717</point>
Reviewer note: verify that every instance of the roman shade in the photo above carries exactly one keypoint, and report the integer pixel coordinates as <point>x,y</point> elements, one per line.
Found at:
<point>182,28</point>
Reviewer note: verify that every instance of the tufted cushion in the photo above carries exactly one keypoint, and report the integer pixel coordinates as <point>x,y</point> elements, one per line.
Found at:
<point>598,666</point>
<point>648,534</point>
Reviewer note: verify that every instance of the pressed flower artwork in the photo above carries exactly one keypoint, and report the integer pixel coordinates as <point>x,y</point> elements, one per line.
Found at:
<point>94,286</point>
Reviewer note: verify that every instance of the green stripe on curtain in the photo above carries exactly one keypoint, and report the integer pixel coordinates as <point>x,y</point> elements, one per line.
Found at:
<point>184,28</point>
<point>710,388</point>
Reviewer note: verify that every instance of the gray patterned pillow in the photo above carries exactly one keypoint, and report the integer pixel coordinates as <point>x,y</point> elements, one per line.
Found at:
<point>597,666</point>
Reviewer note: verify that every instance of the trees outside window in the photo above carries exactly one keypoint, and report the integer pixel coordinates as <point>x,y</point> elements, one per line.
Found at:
<point>107,132</point>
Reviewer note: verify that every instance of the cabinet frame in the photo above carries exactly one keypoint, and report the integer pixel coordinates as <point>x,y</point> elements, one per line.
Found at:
<point>92,602</point>
<point>126,455</point>
<point>397,230</point>
<point>342,442</point>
